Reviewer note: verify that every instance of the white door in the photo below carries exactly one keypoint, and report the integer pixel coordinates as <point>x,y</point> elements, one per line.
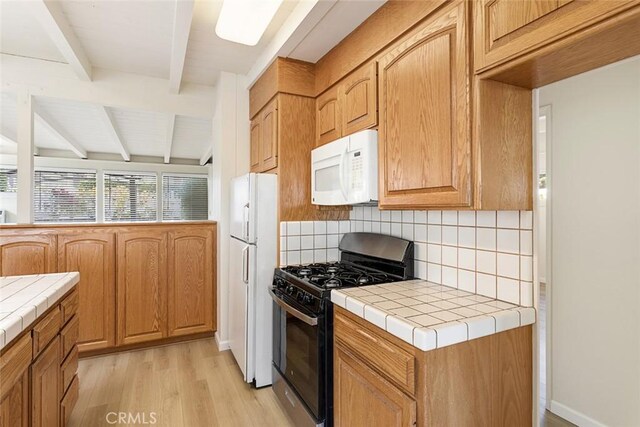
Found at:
<point>238,302</point>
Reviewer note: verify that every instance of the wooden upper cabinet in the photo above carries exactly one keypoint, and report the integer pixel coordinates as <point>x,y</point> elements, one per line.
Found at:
<point>264,138</point>
<point>255,143</point>
<point>507,29</point>
<point>141,286</point>
<point>191,275</point>
<point>328,119</point>
<point>269,140</point>
<point>93,255</point>
<point>27,254</point>
<point>363,398</point>
<point>358,100</point>
<point>424,129</point>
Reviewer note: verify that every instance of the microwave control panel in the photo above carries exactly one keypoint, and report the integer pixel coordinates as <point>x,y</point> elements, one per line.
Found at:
<point>357,171</point>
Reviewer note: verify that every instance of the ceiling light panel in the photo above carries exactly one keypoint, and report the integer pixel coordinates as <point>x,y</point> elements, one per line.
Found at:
<point>245,21</point>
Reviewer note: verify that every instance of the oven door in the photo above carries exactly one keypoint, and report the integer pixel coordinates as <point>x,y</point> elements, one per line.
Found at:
<point>298,349</point>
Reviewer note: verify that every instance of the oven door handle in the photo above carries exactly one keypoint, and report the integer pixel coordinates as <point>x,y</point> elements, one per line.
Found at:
<point>311,321</point>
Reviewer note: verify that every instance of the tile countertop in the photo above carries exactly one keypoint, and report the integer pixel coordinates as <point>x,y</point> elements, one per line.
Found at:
<point>429,316</point>
<point>23,299</point>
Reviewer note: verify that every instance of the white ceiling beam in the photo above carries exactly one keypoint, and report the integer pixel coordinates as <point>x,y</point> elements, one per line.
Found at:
<point>109,87</point>
<point>52,18</point>
<point>207,155</point>
<point>54,128</point>
<point>110,126</point>
<point>171,122</point>
<point>181,29</point>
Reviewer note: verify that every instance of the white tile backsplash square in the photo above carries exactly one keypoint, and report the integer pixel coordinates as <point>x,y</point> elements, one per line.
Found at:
<point>345,226</point>
<point>526,268</point>
<point>306,242</point>
<point>306,228</point>
<point>407,231</point>
<point>396,229</point>
<point>434,273</point>
<point>508,219</point>
<point>450,256</point>
<point>407,216</point>
<point>333,227</point>
<point>434,234</point>
<point>293,243</point>
<point>486,219</point>
<point>450,235</point>
<point>420,232</point>
<point>450,217</point>
<point>486,284</point>
<point>320,227</point>
<point>420,217</point>
<point>467,280</point>
<point>467,218</point>
<point>385,216</point>
<point>306,256</point>
<point>486,239</point>
<point>396,216</point>
<point>486,262</point>
<point>526,220</point>
<point>508,265</point>
<point>526,242</point>
<point>293,228</point>
<point>434,217</point>
<point>434,254</point>
<point>508,241</point>
<point>509,290</point>
<point>467,237</point>
<point>467,258</point>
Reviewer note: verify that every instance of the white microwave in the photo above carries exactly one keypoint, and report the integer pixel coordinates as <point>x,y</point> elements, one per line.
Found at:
<point>345,171</point>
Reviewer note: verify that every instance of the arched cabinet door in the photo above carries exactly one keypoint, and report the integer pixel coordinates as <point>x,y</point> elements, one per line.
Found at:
<point>328,121</point>
<point>93,255</point>
<point>269,141</point>
<point>255,142</point>
<point>191,276</point>
<point>27,254</point>
<point>425,125</point>
<point>358,99</point>
<point>141,286</point>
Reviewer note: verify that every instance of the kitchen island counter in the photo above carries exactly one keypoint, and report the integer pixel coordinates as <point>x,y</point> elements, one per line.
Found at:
<point>24,299</point>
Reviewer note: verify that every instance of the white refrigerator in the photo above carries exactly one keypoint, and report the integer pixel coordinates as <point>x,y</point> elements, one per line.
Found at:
<point>252,258</point>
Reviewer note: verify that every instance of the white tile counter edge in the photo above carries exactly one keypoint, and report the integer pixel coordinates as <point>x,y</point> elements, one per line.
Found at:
<point>442,334</point>
<point>37,295</point>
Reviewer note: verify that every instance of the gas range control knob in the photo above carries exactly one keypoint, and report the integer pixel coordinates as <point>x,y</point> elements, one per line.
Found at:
<point>290,289</point>
<point>306,300</point>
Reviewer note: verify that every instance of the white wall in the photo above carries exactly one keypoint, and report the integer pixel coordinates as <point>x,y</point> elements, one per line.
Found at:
<point>230,159</point>
<point>594,197</point>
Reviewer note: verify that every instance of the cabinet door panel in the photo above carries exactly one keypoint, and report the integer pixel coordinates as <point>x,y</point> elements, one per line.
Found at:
<point>45,387</point>
<point>190,281</point>
<point>507,29</point>
<point>29,254</point>
<point>255,141</point>
<point>363,398</point>
<point>93,255</point>
<point>14,405</point>
<point>425,140</point>
<point>269,142</point>
<point>142,286</point>
<point>328,121</point>
<point>359,100</point>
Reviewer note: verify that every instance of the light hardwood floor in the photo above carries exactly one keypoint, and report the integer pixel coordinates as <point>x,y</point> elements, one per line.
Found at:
<point>188,384</point>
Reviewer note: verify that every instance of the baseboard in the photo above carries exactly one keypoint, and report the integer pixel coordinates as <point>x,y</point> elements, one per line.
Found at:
<point>573,416</point>
<point>222,345</point>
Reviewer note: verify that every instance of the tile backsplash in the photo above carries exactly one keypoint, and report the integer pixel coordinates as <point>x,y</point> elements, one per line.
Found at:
<point>486,252</point>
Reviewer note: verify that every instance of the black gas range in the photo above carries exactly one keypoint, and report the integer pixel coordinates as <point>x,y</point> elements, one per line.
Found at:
<point>303,318</point>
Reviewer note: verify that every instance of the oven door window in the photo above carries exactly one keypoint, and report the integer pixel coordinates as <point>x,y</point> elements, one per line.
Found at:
<point>301,362</point>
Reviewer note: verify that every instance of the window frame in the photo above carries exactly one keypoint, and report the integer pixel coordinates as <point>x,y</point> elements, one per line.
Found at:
<point>63,170</point>
<point>184,175</point>
<point>155,174</point>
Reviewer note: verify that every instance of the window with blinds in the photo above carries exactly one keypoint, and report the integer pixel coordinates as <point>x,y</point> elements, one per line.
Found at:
<point>185,198</point>
<point>64,196</point>
<point>8,180</point>
<point>130,197</point>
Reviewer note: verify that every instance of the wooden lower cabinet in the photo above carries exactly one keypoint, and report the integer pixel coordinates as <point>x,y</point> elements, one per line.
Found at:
<point>45,387</point>
<point>23,254</point>
<point>190,279</point>
<point>142,286</point>
<point>14,405</point>
<point>93,255</point>
<point>482,382</point>
<point>364,398</point>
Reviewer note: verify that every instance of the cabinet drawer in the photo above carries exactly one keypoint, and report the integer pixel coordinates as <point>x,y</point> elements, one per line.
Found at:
<point>45,330</point>
<point>69,401</point>
<point>69,306</point>
<point>69,368</point>
<point>14,362</point>
<point>390,360</point>
<point>69,336</point>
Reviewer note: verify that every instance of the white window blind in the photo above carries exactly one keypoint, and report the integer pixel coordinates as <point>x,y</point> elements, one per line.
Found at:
<point>129,197</point>
<point>8,180</point>
<point>64,196</point>
<point>185,198</point>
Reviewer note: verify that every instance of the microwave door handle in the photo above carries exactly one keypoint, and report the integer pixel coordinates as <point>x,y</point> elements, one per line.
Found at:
<point>342,175</point>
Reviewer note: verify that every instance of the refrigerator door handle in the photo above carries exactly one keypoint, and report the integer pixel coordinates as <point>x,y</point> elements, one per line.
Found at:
<point>245,265</point>
<point>245,222</point>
